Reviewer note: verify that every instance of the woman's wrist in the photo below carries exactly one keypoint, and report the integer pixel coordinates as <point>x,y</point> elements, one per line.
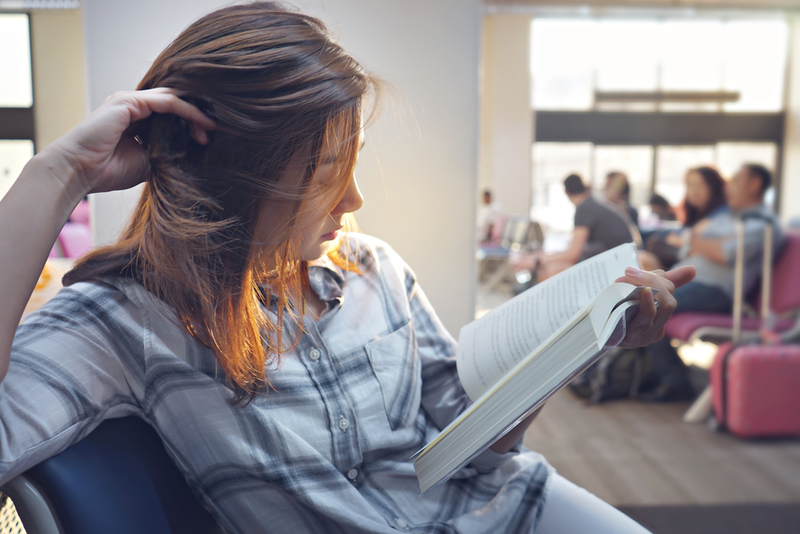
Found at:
<point>51,171</point>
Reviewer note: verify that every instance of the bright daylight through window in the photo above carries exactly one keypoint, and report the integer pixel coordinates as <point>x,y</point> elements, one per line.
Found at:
<point>16,91</point>
<point>575,60</point>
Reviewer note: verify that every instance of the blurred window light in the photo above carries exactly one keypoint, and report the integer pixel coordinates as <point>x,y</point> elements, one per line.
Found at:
<point>635,161</point>
<point>16,89</point>
<point>731,156</point>
<point>552,162</point>
<point>691,55</point>
<point>571,59</point>
<point>754,63</point>
<point>14,154</point>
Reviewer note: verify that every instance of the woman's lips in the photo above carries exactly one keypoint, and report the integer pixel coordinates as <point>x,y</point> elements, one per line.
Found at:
<point>330,236</point>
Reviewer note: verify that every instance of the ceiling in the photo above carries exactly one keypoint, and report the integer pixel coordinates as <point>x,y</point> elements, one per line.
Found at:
<point>658,4</point>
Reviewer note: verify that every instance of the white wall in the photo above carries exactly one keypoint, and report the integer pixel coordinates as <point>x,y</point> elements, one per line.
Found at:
<point>418,174</point>
<point>59,72</point>
<point>790,185</point>
<point>506,129</point>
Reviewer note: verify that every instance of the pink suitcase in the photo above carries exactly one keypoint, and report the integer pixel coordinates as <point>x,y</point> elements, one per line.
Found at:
<point>755,388</point>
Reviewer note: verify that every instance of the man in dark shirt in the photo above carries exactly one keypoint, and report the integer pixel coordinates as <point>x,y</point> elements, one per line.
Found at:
<point>599,226</point>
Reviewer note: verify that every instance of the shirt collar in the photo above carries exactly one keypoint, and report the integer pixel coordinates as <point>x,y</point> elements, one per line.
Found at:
<point>326,278</point>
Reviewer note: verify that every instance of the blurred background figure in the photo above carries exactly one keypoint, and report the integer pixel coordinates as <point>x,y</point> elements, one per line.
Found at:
<point>710,245</point>
<point>489,217</point>
<point>617,191</point>
<point>661,208</point>
<point>705,197</point>
<point>598,226</point>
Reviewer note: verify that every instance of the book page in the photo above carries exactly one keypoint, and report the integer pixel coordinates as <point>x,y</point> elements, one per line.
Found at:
<point>489,347</point>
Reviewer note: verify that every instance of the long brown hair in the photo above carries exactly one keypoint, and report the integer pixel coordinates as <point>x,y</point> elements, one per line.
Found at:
<point>716,185</point>
<point>217,228</point>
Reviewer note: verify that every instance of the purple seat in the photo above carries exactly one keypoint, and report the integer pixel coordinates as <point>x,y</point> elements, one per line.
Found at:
<point>74,240</point>
<point>784,302</point>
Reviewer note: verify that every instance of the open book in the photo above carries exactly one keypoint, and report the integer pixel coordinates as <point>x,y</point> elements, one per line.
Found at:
<point>516,356</point>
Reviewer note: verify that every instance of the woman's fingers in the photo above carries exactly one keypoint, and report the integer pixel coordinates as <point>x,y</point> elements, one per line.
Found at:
<point>647,310</point>
<point>164,100</point>
<point>650,320</point>
<point>682,275</point>
<point>102,150</point>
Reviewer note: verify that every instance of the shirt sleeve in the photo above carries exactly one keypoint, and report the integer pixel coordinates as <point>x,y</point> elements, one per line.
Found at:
<point>443,396</point>
<point>73,363</point>
<point>753,241</point>
<point>584,216</point>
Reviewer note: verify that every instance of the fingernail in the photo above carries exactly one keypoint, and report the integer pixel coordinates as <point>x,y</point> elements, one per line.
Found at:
<point>632,270</point>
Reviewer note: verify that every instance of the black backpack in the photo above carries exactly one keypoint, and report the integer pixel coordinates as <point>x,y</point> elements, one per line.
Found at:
<point>617,374</point>
<point>629,373</point>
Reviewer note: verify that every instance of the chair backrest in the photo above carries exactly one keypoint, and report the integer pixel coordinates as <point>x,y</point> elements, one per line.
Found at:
<point>785,293</point>
<point>120,479</point>
<point>75,239</point>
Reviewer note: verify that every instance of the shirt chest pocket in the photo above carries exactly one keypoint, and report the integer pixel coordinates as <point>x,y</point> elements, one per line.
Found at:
<point>396,365</point>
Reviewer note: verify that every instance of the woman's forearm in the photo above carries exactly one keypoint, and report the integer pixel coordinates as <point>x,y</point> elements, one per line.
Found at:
<point>504,444</point>
<point>31,216</point>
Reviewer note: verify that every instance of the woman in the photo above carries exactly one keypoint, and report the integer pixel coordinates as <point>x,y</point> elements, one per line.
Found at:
<point>617,191</point>
<point>290,368</point>
<point>705,197</point>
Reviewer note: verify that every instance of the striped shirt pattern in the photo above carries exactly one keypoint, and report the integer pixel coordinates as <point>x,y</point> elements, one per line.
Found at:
<point>326,450</point>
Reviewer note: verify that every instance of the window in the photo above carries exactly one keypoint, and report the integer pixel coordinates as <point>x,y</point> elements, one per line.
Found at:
<point>14,154</point>
<point>571,59</point>
<point>16,88</point>
<point>16,98</point>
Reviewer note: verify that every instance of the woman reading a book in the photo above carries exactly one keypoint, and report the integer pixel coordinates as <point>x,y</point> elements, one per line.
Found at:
<point>290,367</point>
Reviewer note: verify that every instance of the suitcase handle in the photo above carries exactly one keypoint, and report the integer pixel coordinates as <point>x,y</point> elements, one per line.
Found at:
<point>767,317</point>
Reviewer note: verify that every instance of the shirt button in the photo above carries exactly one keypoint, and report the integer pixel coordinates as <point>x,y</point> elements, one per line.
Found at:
<point>314,354</point>
<point>401,522</point>
<point>318,276</point>
<point>352,474</point>
<point>344,424</point>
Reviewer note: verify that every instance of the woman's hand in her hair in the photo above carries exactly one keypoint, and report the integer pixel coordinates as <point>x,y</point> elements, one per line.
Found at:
<point>102,151</point>
<point>647,325</point>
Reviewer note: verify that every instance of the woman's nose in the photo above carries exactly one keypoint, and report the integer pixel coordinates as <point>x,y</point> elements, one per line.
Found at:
<point>352,199</point>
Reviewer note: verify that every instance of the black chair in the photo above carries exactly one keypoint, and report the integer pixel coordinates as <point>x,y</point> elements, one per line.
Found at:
<point>117,480</point>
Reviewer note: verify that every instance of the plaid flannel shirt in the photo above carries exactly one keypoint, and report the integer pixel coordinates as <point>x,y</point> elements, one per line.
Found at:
<point>327,451</point>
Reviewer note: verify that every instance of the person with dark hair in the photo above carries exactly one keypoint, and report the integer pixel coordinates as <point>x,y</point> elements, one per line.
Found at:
<point>599,226</point>
<point>662,209</point>
<point>705,197</point>
<point>617,191</point>
<point>759,172</point>
<point>711,249</point>
<point>573,185</point>
<point>292,367</point>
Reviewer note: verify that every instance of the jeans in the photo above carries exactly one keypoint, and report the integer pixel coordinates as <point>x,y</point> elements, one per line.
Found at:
<point>570,509</point>
<point>695,296</point>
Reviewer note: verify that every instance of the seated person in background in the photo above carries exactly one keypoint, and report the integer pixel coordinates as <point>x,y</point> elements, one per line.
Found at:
<point>711,249</point>
<point>599,226</point>
<point>711,244</point>
<point>618,192</point>
<point>705,197</point>
<point>661,208</point>
<point>488,215</point>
